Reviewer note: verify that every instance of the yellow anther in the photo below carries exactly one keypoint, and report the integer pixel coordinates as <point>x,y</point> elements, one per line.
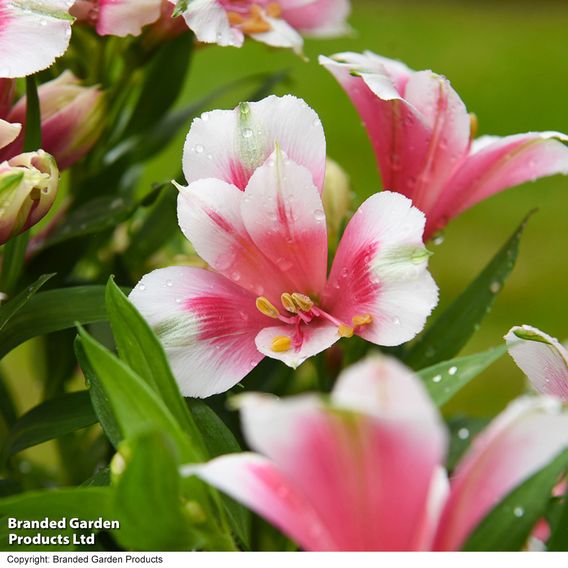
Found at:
<point>362,320</point>
<point>281,343</point>
<point>274,10</point>
<point>302,301</point>
<point>264,306</point>
<point>288,303</point>
<point>472,125</point>
<point>345,331</point>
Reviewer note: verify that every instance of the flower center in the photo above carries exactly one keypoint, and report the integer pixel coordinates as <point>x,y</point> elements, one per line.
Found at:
<point>301,310</point>
<point>252,18</point>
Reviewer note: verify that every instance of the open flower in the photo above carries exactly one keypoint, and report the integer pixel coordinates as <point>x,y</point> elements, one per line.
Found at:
<point>543,359</point>
<point>365,470</point>
<point>71,118</point>
<point>423,138</point>
<point>28,187</point>
<point>253,211</point>
<point>280,23</point>
<point>48,22</point>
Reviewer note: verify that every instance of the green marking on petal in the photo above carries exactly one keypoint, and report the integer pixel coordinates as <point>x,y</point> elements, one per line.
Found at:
<point>531,336</point>
<point>41,8</point>
<point>250,143</point>
<point>178,331</point>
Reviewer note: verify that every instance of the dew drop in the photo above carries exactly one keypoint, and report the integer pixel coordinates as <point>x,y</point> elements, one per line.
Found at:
<point>438,238</point>
<point>247,133</point>
<point>284,264</point>
<point>344,273</point>
<point>437,379</point>
<point>495,287</point>
<point>236,276</point>
<point>319,215</point>
<point>463,433</point>
<point>169,283</point>
<point>141,287</point>
<point>316,122</point>
<point>199,149</point>
<point>396,321</point>
<point>178,300</point>
<point>452,371</point>
<point>518,512</point>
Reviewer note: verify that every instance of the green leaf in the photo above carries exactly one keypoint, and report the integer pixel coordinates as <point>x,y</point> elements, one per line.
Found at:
<point>139,347</point>
<point>559,538</point>
<point>87,503</point>
<point>164,79</point>
<point>509,524</point>
<point>219,441</point>
<point>148,501</point>
<point>452,330</point>
<point>50,420</point>
<point>445,380</point>
<point>52,311</point>
<point>13,256</point>
<point>135,406</point>
<point>10,308</point>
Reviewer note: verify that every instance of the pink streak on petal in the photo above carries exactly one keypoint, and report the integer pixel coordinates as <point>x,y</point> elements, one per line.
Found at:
<point>126,17</point>
<point>319,17</point>
<point>519,442</point>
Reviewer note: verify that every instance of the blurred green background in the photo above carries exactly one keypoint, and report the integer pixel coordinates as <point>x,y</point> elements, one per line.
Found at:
<point>509,62</point>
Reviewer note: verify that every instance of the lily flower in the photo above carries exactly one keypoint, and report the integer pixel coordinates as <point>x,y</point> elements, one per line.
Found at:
<point>542,358</point>
<point>364,470</point>
<point>48,22</point>
<point>28,187</point>
<point>279,23</point>
<point>71,118</point>
<point>423,138</point>
<point>253,211</point>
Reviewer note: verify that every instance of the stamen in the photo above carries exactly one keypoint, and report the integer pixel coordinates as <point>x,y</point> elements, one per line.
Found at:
<point>235,19</point>
<point>274,10</point>
<point>472,125</point>
<point>303,302</point>
<point>362,320</point>
<point>255,23</point>
<point>264,306</point>
<point>345,331</point>
<point>281,344</point>
<point>288,303</point>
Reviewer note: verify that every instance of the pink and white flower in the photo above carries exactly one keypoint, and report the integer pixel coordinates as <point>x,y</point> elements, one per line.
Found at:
<point>542,358</point>
<point>279,23</point>
<point>253,211</point>
<point>121,17</point>
<point>423,138</point>
<point>48,22</point>
<point>365,471</point>
<point>72,118</point>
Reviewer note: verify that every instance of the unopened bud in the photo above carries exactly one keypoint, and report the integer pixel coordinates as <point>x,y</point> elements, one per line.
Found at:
<point>337,197</point>
<point>28,186</point>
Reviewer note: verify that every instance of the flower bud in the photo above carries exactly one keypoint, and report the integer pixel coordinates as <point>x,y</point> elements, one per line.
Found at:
<point>71,119</point>
<point>28,186</point>
<point>337,197</point>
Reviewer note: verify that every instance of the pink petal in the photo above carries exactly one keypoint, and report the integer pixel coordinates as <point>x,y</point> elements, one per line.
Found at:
<point>283,213</point>
<point>519,442</point>
<point>8,132</point>
<point>206,324</point>
<point>542,358</point>
<point>381,269</point>
<point>496,165</point>
<point>126,17</point>
<point>209,22</point>
<point>209,214</point>
<point>316,337</point>
<point>281,34</point>
<point>230,145</point>
<point>318,18</point>
<point>417,123</point>
<point>46,21</point>
<point>367,476</point>
<point>255,482</point>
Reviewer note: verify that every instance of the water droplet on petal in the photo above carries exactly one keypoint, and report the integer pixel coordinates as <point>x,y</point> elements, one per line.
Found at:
<point>247,133</point>
<point>169,283</point>
<point>142,287</point>
<point>319,215</point>
<point>199,148</point>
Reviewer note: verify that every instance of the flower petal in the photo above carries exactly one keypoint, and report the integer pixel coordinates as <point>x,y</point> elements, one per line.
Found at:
<point>367,476</point>
<point>209,214</point>
<point>255,482</point>
<point>283,213</point>
<point>210,24</point>
<point>519,442</point>
<point>381,269</point>
<point>126,17</point>
<point>230,145</point>
<point>47,21</point>
<point>318,18</point>
<point>417,123</point>
<point>206,324</point>
<point>497,164</point>
<point>316,337</point>
<point>542,358</point>
<point>8,132</point>
<point>281,34</point>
